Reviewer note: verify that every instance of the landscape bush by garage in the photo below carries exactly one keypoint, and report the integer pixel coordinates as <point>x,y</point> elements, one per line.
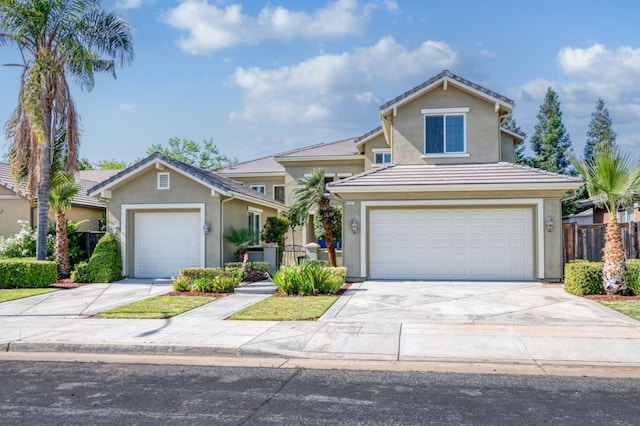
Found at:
<point>208,280</point>
<point>583,278</point>
<point>633,275</point>
<point>307,279</point>
<point>105,265</point>
<point>27,273</point>
<point>252,271</point>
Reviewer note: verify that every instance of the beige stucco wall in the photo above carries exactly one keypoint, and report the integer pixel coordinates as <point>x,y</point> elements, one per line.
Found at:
<point>507,150</point>
<point>12,210</point>
<point>482,128</point>
<point>82,213</point>
<point>374,143</point>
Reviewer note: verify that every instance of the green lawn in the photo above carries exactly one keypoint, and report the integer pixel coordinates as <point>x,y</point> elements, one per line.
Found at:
<point>292,308</point>
<point>630,308</point>
<point>19,293</point>
<point>156,307</point>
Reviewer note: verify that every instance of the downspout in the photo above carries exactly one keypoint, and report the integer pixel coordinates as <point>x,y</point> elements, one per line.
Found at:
<point>222,230</point>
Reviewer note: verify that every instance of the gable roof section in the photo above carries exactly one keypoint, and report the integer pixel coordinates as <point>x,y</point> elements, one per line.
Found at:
<point>456,177</point>
<point>361,140</point>
<point>7,181</point>
<point>265,166</point>
<point>447,77</point>
<point>218,183</point>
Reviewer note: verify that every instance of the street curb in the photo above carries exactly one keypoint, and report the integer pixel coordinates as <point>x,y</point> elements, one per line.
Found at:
<point>119,348</point>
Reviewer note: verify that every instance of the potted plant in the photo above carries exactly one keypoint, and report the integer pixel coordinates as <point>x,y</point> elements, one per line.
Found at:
<point>240,238</point>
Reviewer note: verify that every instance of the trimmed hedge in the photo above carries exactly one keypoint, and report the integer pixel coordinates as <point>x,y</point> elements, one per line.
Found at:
<point>254,271</point>
<point>583,278</point>
<point>27,273</point>
<point>210,280</point>
<point>307,279</point>
<point>105,265</point>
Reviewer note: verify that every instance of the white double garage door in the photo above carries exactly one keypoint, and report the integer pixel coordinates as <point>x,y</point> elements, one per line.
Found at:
<point>451,243</point>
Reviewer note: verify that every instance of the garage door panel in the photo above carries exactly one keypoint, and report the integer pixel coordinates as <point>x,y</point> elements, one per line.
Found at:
<point>165,242</point>
<point>451,244</point>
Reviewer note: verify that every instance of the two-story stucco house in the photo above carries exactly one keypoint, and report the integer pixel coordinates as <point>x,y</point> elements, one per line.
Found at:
<point>433,192</point>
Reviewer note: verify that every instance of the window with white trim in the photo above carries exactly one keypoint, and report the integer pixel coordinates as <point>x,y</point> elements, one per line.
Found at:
<point>278,193</point>
<point>163,181</point>
<point>255,224</point>
<point>259,188</point>
<point>381,156</point>
<point>445,131</point>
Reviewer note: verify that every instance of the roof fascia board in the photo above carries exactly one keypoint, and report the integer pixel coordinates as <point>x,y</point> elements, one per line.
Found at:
<point>561,186</point>
<point>154,164</point>
<point>446,80</point>
<point>510,133</point>
<point>368,138</point>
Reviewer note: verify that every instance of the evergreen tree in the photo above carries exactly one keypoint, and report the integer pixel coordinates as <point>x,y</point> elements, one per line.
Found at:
<point>550,141</point>
<point>510,123</point>
<point>600,135</point>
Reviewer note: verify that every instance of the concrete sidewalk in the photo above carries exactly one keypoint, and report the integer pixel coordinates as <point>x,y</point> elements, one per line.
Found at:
<point>347,333</point>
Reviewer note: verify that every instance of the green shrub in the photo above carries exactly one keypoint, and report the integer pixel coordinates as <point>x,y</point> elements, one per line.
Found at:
<point>583,278</point>
<point>203,284</point>
<point>307,279</point>
<point>105,265</point>
<point>313,263</point>
<point>27,273</point>
<point>253,271</point>
<point>210,280</point>
<point>339,272</point>
<point>633,275</point>
<point>23,244</point>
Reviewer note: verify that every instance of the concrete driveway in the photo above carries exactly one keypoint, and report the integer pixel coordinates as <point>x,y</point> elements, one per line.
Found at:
<point>448,302</point>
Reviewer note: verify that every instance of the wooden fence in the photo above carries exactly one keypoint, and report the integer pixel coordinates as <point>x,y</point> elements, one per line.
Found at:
<point>587,241</point>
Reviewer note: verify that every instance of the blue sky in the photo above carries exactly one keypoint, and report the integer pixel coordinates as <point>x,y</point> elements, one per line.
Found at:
<point>264,77</point>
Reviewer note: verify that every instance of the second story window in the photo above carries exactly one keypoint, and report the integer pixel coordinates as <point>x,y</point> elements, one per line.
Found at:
<point>259,188</point>
<point>381,157</point>
<point>444,131</point>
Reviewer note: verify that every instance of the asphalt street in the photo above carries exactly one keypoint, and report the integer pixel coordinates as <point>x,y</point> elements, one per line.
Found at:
<point>79,393</point>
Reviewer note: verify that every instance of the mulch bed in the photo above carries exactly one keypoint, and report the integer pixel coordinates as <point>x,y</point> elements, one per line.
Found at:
<point>340,292</point>
<point>612,298</point>
<point>66,283</point>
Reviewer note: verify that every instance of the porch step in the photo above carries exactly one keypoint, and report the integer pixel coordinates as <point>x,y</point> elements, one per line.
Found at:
<point>260,287</point>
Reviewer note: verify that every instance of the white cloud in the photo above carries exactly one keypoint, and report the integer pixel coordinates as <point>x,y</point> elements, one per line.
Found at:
<point>128,4</point>
<point>126,108</point>
<point>328,85</point>
<point>210,28</point>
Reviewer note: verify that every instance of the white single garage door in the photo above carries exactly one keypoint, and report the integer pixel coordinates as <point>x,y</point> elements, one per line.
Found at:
<point>166,242</point>
<point>451,244</point>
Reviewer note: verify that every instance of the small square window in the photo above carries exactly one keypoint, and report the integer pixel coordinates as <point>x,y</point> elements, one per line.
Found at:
<point>382,158</point>
<point>163,181</point>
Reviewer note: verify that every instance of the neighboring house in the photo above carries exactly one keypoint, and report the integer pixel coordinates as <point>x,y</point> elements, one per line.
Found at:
<point>170,215</point>
<point>595,215</point>
<point>433,192</point>
<point>582,218</point>
<point>15,205</point>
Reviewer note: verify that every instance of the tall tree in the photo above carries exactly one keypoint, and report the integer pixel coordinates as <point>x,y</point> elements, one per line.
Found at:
<point>612,180</point>
<point>509,123</point>
<point>206,156</point>
<point>55,38</point>
<point>550,141</point>
<point>310,193</point>
<point>600,135</point>
<point>62,193</point>
<point>112,164</point>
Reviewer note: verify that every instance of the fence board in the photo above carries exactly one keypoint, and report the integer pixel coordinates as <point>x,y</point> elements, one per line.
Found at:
<point>587,241</point>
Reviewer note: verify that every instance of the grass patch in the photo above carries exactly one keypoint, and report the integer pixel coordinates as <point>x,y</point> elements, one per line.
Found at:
<point>20,293</point>
<point>630,308</point>
<point>290,308</point>
<point>156,307</point>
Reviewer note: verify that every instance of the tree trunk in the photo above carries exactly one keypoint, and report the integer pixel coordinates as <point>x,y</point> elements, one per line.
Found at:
<point>44,190</point>
<point>326,214</point>
<point>614,271</point>
<point>62,246</point>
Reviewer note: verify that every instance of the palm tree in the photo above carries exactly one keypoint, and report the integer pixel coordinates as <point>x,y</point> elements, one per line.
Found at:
<point>62,192</point>
<point>55,38</point>
<point>309,193</point>
<point>612,180</point>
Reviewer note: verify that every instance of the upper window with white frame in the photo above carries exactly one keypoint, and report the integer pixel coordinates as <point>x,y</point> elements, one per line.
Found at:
<point>445,131</point>
<point>381,156</point>
<point>259,188</point>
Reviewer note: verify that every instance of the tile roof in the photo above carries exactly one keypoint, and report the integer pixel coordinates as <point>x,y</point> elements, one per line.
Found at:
<point>261,165</point>
<point>518,132</point>
<point>328,149</point>
<point>212,178</point>
<point>452,76</point>
<point>456,174</point>
<point>86,179</point>
<point>366,135</point>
